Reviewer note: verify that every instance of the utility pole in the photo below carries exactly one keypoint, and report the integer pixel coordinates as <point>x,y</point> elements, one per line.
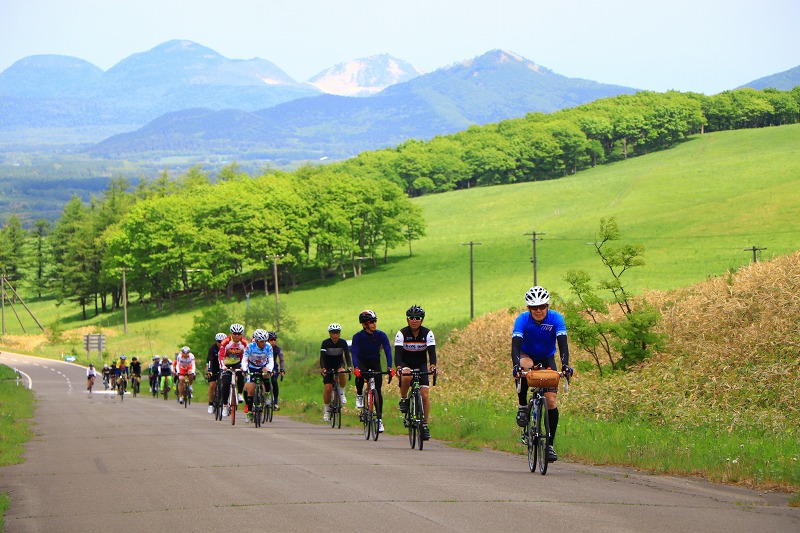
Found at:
<point>754,249</point>
<point>471,286</point>
<point>275,258</point>
<point>534,238</point>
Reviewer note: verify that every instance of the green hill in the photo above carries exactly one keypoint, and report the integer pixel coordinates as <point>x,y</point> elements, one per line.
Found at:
<point>695,208</point>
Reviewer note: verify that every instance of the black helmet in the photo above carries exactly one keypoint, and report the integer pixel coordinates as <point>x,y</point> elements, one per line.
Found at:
<point>271,335</point>
<point>367,315</point>
<point>415,310</point>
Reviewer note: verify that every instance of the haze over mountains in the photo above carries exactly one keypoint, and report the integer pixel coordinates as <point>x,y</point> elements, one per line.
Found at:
<point>183,98</point>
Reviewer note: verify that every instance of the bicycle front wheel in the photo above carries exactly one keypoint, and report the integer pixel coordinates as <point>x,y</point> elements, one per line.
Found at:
<point>411,422</point>
<point>232,402</point>
<point>366,417</point>
<point>269,406</point>
<point>374,414</point>
<point>419,418</point>
<point>543,432</point>
<point>528,432</point>
<point>258,406</point>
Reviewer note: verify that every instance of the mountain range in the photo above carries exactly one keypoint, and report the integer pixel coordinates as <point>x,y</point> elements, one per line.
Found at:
<point>183,98</point>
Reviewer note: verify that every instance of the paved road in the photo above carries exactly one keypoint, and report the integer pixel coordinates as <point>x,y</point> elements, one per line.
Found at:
<point>98,464</point>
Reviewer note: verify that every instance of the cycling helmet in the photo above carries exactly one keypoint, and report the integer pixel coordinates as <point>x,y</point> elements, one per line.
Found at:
<point>164,357</point>
<point>271,335</point>
<point>105,365</point>
<point>156,357</point>
<point>122,357</point>
<point>219,337</point>
<point>91,365</point>
<point>134,358</point>
<point>537,296</point>
<point>237,329</point>
<point>415,310</point>
<point>186,349</point>
<point>367,315</point>
<point>260,335</point>
<point>335,327</point>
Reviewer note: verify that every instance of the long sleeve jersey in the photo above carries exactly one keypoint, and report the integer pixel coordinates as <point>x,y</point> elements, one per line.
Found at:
<point>367,347</point>
<point>256,358</point>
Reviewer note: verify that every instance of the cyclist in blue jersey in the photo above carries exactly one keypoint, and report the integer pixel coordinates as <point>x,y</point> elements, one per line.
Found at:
<point>257,359</point>
<point>277,369</point>
<point>537,333</point>
<point>366,349</point>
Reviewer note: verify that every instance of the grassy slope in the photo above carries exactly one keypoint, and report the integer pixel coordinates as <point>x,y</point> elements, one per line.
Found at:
<point>694,208</point>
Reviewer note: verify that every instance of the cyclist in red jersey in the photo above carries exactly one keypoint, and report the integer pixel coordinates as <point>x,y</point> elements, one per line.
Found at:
<point>231,352</point>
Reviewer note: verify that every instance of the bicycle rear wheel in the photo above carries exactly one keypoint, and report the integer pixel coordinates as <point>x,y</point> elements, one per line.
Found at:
<point>268,403</point>
<point>543,434</point>
<point>120,391</point>
<point>135,387</point>
<point>366,417</point>
<point>271,411</point>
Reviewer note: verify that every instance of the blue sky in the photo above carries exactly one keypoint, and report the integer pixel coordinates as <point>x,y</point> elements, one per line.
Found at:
<point>688,45</point>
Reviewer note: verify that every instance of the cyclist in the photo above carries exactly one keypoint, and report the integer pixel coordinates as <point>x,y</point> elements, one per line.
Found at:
<point>534,339</point>
<point>106,375</point>
<point>231,352</point>
<point>212,369</point>
<point>154,374</point>
<point>367,345</point>
<point>334,356</point>
<point>185,371</point>
<point>91,373</point>
<point>414,348</point>
<point>112,372</point>
<point>277,358</point>
<point>164,372</point>
<point>136,369</point>
<point>257,359</point>
<point>123,372</point>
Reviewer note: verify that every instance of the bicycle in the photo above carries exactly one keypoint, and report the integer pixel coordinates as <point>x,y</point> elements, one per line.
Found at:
<point>135,385</point>
<point>536,433</point>
<point>165,389</point>
<point>233,399</point>
<point>335,405</point>
<point>91,384</point>
<point>154,385</point>
<point>274,405</point>
<point>369,413</point>
<point>187,391</point>
<point>105,381</point>
<point>121,386</point>
<point>262,408</point>
<point>217,401</point>
<point>415,416</point>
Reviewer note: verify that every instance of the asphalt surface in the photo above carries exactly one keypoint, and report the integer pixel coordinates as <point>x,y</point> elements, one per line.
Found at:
<point>98,464</point>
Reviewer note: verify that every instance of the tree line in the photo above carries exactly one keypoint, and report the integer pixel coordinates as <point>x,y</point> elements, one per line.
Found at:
<point>191,235</point>
<point>209,234</point>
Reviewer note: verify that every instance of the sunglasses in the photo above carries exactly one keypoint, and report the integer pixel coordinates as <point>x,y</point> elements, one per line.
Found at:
<point>537,307</point>
<point>414,317</point>
<point>371,321</point>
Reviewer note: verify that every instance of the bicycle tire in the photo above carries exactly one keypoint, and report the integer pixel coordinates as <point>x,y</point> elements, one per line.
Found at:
<point>165,392</point>
<point>419,419</point>
<point>185,394</point>
<point>258,401</point>
<point>120,391</point>
<point>543,432</point>
<point>529,436</point>
<point>269,414</point>
<point>334,405</point>
<point>267,405</point>
<point>135,389</point>
<point>232,402</point>
<point>412,422</point>
<point>375,420</point>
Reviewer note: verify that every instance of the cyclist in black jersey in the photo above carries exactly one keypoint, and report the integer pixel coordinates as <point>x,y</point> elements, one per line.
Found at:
<point>334,355</point>
<point>415,348</point>
<point>212,369</point>
<point>277,357</point>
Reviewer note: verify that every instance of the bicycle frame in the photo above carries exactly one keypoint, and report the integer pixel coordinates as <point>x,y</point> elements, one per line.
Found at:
<point>415,416</point>
<point>369,413</point>
<point>335,405</point>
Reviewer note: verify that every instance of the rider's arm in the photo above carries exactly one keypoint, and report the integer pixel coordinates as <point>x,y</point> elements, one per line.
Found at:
<point>347,359</point>
<point>354,350</point>
<point>398,349</point>
<point>516,345</point>
<point>387,348</point>
<point>563,349</point>
<point>270,359</point>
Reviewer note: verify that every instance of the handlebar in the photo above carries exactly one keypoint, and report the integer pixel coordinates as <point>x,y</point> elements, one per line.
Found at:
<point>415,372</point>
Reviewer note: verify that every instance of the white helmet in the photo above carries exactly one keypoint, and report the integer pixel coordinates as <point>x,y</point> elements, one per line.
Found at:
<point>537,296</point>
<point>334,327</point>
<point>237,329</point>
<point>220,337</point>
<point>260,335</point>
<point>186,349</point>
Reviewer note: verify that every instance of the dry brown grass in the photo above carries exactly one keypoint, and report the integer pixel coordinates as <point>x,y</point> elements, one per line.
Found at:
<point>731,357</point>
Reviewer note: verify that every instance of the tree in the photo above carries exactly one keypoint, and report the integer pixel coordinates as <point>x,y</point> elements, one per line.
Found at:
<point>625,341</point>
